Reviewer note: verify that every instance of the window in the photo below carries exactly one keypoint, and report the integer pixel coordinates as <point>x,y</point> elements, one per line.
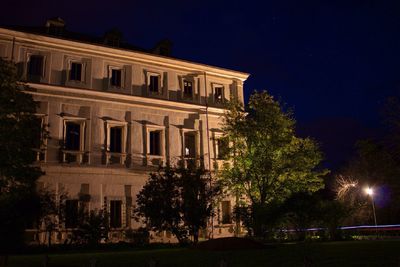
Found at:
<point>155,143</point>
<point>71,213</point>
<point>190,145</point>
<point>226,212</point>
<point>116,77</point>
<point>38,142</point>
<point>222,148</point>
<point>35,66</point>
<point>72,136</point>
<point>116,139</point>
<point>74,141</point>
<point>154,83</point>
<point>218,94</point>
<point>75,73</point>
<point>115,145</point>
<point>115,213</point>
<point>187,89</point>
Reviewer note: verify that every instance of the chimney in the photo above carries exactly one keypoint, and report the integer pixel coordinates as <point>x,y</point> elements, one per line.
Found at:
<point>113,37</point>
<point>163,48</point>
<point>55,26</point>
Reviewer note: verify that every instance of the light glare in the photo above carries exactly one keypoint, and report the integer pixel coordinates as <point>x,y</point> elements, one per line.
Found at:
<point>369,191</point>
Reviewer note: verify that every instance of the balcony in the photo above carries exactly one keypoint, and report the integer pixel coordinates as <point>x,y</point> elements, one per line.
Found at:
<point>115,158</point>
<point>74,156</point>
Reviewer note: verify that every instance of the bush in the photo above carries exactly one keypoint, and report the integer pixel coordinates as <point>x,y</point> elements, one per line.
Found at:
<point>138,237</point>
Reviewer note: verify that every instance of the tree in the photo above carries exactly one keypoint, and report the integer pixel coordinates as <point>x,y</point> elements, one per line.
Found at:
<point>198,197</point>
<point>19,133</point>
<point>268,161</point>
<point>374,165</point>
<point>93,227</point>
<point>177,200</point>
<point>51,211</point>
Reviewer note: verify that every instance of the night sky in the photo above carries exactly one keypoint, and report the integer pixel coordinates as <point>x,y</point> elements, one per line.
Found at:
<point>334,62</point>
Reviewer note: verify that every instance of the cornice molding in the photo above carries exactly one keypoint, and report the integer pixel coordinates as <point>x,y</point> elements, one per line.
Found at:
<point>115,98</point>
<point>134,56</point>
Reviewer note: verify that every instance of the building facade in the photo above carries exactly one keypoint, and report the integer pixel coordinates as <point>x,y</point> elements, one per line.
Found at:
<point>115,114</point>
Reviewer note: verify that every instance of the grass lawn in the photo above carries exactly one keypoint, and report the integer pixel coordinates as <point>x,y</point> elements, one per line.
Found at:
<point>350,253</point>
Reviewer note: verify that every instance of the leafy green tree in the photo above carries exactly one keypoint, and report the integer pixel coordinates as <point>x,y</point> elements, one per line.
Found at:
<point>268,162</point>
<point>18,135</point>
<point>177,200</point>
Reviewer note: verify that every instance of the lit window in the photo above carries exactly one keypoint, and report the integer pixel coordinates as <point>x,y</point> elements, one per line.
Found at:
<point>190,145</point>
<point>35,66</point>
<point>155,143</point>
<point>115,213</point>
<point>187,89</point>
<point>116,75</point>
<point>75,73</point>
<point>218,94</point>
<point>154,83</point>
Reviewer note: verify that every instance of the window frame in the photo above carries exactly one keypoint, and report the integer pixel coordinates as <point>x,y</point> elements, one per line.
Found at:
<point>120,224</point>
<point>109,75</point>
<point>155,128</point>
<point>216,86</point>
<point>148,79</point>
<point>196,147</point>
<point>43,71</point>
<point>83,70</point>
<point>185,96</point>
<point>73,219</point>
<point>124,135</point>
<point>229,221</point>
<point>43,141</point>
<point>82,144</point>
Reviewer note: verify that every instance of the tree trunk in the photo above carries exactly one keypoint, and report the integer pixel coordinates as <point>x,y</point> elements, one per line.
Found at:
<point>49,238</point>
<point>195,235</point>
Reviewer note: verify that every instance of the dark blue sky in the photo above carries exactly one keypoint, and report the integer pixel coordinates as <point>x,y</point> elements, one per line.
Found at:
<point>334,62</point>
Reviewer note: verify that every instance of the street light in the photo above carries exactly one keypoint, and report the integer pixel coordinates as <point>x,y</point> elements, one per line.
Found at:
<point>370,192</point>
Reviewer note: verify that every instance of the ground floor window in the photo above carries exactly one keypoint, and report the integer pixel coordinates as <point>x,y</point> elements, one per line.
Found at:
<point>226,212</point>
<point>115,213</point>
<point>71,213</point>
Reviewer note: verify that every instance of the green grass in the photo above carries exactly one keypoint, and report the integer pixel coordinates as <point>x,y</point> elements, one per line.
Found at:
<point>350,253</point>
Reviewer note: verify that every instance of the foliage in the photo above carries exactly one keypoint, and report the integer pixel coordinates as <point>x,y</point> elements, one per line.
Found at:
<point>302,211</point>
<point>18,135</point>
<point>139,236</point>
<point>374,166</point>
<point>51,211</point>
<point>268,162</point>
<point>92,228</point>
<point>177,200</point>
<point>333,214</point>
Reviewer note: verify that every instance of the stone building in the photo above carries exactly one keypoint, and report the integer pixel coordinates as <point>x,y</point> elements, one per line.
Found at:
<point>115,113</point>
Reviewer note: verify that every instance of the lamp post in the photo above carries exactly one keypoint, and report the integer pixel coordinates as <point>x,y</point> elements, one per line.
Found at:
<point>370,192</point>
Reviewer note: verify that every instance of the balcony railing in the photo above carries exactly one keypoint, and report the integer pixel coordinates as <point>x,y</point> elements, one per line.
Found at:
<point>74,156</point>
<point>115,158</point>
<point>191,163</point>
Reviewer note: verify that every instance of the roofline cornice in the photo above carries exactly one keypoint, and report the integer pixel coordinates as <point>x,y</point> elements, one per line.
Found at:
<point>142,57</point>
